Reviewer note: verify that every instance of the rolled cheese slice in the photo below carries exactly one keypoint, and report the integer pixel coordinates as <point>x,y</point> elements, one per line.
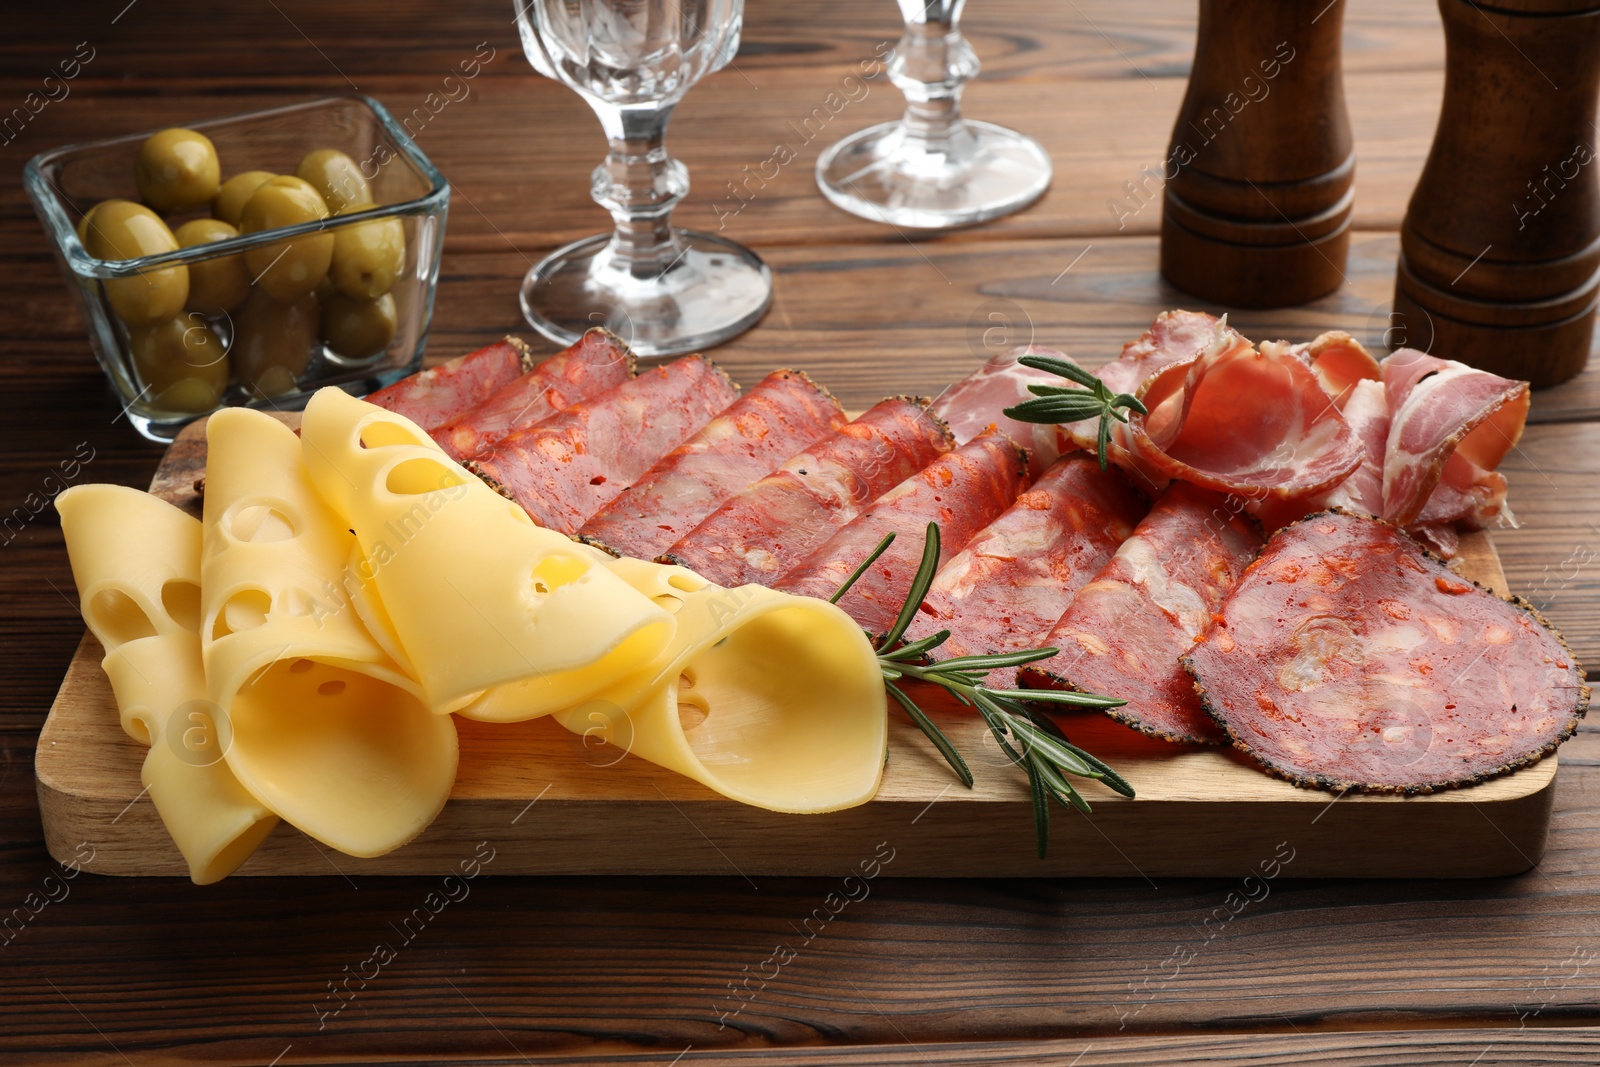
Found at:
<point>136,561</point>
<point>770,699</point>
<point>320,723</point>
<point>475,596</point>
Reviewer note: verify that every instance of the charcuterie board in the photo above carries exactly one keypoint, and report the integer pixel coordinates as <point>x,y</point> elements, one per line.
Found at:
<point>547,802</point>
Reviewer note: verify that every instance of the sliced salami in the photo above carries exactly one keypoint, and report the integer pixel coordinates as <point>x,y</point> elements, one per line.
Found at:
<point>978,401</point>
<point>963,491</point>
<point>1006,589</point>
<point>566,469</point>
<point>1125,630</point>
<point>783,414</point>
<point>440,394</point>
<point>758,534</point>
<point>595,363</point>
<point>1450,426</point>
<point>1351,659</point>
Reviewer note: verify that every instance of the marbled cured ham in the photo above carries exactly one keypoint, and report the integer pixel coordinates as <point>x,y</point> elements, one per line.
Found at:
<point>963,491</point>
<point>1349,658</point>
<point>763,531</point>
<point>780,416</point>
<point>440,394</point>
<point>1006,589</point>
<point>978,401</point>
<point>568,468</point>
<point>587,368</point>
<point>1450,426</point>
<point>1125,630</point>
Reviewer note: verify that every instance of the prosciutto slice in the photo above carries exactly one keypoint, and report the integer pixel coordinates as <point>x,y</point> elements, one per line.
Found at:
<point>963,491</point>
<point>1350,659</point>
<point>595,363</point>
<point>441,394</point>
<point>765,530</point>
<point>566,469</point>
<point>780,416</point>
<point>977,401</point>
<point>1125,630</point>
<point>1450,426</point>
<point>1007,588</point>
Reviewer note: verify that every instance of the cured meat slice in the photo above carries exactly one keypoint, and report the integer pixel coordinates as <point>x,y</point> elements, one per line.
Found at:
<point>963,491</point>
<point>1441,410</point>
<point>1366,409</point>
<point>1007,588</point>
<point>782,414</point>
<point>977,401</point>
<point>1349,658</point>
<point>440,394</point>
<point>595,363</point>
<point>568,468</point>
<point>1339,361</point>
<point>1125,630</point>
<point>758,534</point>
<point>1239,420</point>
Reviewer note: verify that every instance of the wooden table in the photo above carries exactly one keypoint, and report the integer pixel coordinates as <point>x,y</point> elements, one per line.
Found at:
<point>588,970</point>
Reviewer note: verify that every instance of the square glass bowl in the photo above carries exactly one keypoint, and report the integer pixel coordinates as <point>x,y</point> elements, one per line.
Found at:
<point>273,354</point>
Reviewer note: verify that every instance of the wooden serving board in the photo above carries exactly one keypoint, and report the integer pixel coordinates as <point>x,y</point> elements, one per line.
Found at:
<point>547,804</point>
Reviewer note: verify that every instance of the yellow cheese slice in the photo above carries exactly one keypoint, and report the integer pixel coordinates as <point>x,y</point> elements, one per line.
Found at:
<point>770,699</point>
<point>321,724</point>
<point>476,596</point>
<point>136,562</point>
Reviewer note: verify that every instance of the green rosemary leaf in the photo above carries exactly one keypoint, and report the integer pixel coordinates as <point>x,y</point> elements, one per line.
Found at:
<point>1041,811</point>
<point>1056,409</point>
<point>1061,696</point>
<point>1128,400</point>
<point>917,648</point>
<point>1103,442</point>
<point>934,734</point>
<point>1063,367</point>
<point>999,659</point>
<point>1054,390</point>
<point>919,587</point>
<point>1109,776</point>
<point>1061,790</point>
<point>855,575</point>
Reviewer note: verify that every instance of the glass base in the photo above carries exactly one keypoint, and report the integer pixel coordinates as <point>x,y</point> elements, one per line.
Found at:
<point>715,290</point>
<point>883,175</point>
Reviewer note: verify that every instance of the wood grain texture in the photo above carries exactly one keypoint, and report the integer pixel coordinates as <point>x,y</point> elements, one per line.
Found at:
<point>601,970</point>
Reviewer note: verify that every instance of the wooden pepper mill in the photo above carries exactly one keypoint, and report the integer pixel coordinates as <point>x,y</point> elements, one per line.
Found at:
<point>1500,247</point>
<point>1256,211</point>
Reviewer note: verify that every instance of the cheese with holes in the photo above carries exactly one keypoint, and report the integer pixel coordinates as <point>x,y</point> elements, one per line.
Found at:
<point>136,561</point>
<point>476,597</point>
<point>324,727</point>
<point>770,699</point>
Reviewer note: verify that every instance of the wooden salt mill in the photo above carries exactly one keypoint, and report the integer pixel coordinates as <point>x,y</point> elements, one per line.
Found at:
<point>1256,211</point>
<point>1500,248</point>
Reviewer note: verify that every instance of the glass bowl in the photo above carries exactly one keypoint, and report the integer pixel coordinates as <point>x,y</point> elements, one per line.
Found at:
<point>274,358</point>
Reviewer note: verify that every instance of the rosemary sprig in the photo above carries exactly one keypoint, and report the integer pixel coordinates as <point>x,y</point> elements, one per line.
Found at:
<point>1028,738</point>
<point>1059,404</point>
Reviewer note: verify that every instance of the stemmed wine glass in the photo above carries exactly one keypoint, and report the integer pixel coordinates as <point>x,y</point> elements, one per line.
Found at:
<point>665,291</point>
<point>933,169</point>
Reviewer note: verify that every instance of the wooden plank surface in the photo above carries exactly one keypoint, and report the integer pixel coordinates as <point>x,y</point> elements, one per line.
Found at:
<point>530,969</point>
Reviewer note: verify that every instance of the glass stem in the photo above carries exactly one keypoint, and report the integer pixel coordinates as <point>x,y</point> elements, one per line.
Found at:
<point>930,65</point>
<point>640,185</point>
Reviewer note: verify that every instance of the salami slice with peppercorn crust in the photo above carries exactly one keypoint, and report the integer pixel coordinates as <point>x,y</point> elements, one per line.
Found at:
<point>1007,588</point>
<point>440,394</point>
<point>568,468</point>
<point>1125,630</point>
<point>963,491</point>
<point>777,418</point>
<point>587,368</point>
<point>758,534</point>
<point>1348,657</point>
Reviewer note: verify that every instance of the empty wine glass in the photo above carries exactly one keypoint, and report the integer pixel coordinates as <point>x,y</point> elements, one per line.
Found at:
<point>665,291</point>
<point>933,169</point>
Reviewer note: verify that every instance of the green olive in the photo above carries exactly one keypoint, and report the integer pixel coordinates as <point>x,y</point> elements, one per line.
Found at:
<point>83,223</point>
<point>216,286</point>
<point>228,204</point>
<point>182,362</point>
<point>368,258</point>
<point>272,342</point>
<point>121,229</point>
<point>336,176</point>
<point>287,269</point>
<point>357,329</point>
<point>177,170</point>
